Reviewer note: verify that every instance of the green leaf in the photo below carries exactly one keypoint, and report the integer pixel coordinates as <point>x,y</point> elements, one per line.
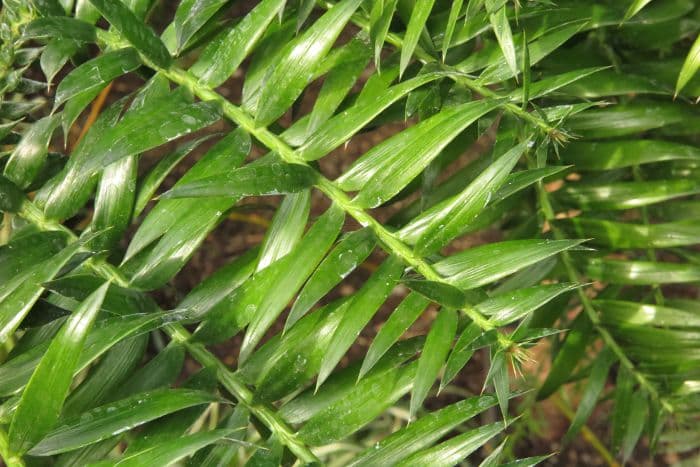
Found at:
<point>439,292</point>
<point>624,392</point>
<point>635,8</point>
<point>386,169</point>
<point>348,254</point>
<point>111,419</point>
<point>224,54</point>
<point>266,293</point>
<point>423,432</point>
<point>339,82</point>
<point>38,410</point>
<point>152,180</point>
<point>59,27</point>
<point>223,454</point>
<point>501,28</point>
<point>627,195</point>
<point>454,450</point>
<point>589,398</point>
<point>11,196</point>
<point>455,11</point>
<point>95,74</point>
<point>487,263</point>
<point>419,16</point>
<point>294,70</point>
<point>366,400</point>
<point>18,295</point>
<point>507,307</point>
<point>691,65</point>
<point>191,15</point>
<point>379,22</point>
<point>364,304</point>
<point>461,353</point>
<point>463,208</point>
<point>29,156</point>
<point>175,218</point>
<point>340,128</point>
<point>493,459</point>
<point>399,321</point>
<point>55,55</point>
<point>627,235</point>
<point>570,353</point>
<point>251,180</point>
<point>641,272</point>
<point>635,424</point>
<point>134,30</point>
<point>433,355</point>
<point>294,269</point>
<point>114,201</point>
<point>286,229</point>
<point>604,155</point>
<point>219,285</point>
<point>621,313</point>
<point>112,369</point>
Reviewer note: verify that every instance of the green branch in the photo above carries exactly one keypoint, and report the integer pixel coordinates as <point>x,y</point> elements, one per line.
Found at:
<point>177,332</point>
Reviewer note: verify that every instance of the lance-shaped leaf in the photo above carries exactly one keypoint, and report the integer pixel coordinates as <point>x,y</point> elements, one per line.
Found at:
<point>454,450</point>
<point>635,7</point>
<point>380,18</point>
<point>223,454</point>
<point>290,275</point>
<point>463,208</point>
<point>487,263</point>
<point>691,65</point>
<point>419,16</point>
<point>95,74</point>
<point>433,355</point>
<point>364,304</point>
<point>191,15</point>
<point>111,419</point>
<point>455,12</point>
<point>251,180</point>
<point>225,156</point>
<point>589,398</point>
<point>627,195</point>
<point>423,432</point>
<point>111,371</point>
<point>297,63</point>
<point>152,180</point>
<point>641,272</point>
<point>620,313</point>
<point>350,252</point>
<point>38,410</point>
<point>18,295</point>
<point>627,235</point>
<point>29,156</point>
<point>60,26</point>
<point>624,387</point>
<point>501,28</point>
<point>262,296</point>
<point>219,285</point>
<point>385,170</point>
<point>134,30</point>
<point>224,54</point>
<point>11,196</point>
<point>340,128</point>
<point>507,307</point>
<point>174,449</point>
<point>604,155</point>
<point>286,229</point>
<point>114,201</point>
<point>353,410</point>
<point>55,55</point>
<point>461,353</point>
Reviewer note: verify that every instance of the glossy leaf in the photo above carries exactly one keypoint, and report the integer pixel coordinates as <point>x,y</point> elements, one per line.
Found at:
<point>191,15</point>
<point>463,208</point>
<point>137,33</point>
<point>386,169</point>
<point>286,229</point>
<point>690,66</point>
<point>488,263</point>
<point>363,306</point>
<point>414,29</point>
<point>38,411</point>
<point>433,355</point>
<point>111,419</point>
<point>59,27</point>
<point>250,180</point>
<point>29,156</point>
<point>295,67</point>
<point>455,449</point>
<point>348,254</point>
